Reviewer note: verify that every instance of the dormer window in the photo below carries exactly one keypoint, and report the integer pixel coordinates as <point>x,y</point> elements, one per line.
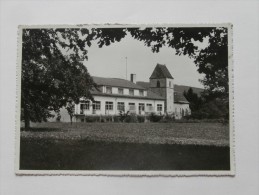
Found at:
<point>131,92</point>
<point>109,90</point>
<point>120,91</point>
<point>141,92</point>
<point>158,83</point>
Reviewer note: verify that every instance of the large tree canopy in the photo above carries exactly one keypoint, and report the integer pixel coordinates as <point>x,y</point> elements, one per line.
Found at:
<point>53,70</point>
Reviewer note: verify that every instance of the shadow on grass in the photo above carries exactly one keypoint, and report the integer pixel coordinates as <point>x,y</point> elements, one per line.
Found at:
<point>40,129</point>
<point>91,155</point>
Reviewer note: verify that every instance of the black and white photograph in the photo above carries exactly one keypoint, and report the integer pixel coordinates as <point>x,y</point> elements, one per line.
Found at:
<point>125,100</point>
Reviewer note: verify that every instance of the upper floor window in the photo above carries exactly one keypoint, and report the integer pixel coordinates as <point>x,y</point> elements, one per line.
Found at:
<point>100,88</point>
<point>141,92</point>
<point>131,92</point>
<point>108,90</point>
<point>120,91</point>
<point>158,83</point>
<point>169,83</point>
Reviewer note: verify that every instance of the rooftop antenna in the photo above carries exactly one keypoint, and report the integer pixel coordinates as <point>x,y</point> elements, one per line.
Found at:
<point>126,67</point>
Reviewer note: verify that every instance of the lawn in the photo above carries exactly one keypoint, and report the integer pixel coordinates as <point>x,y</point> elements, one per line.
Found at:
<point>215,134</point>
<point>129,146</point>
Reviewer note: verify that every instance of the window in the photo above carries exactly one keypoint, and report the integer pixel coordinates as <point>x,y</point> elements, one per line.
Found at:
<point>169,83</point>
<point>109,90</point>
<point>159,107</point>
<point>141,92</point>
<point>120,91</point>
<point>100,88</point>
<point>121,106</point>
<point>158,83</point>
<point>131,91</point>
<point>97,105</point>
<point>108,105</point>
<point>85,105</point>
<point>141,107</point>
<point>149,108</point>
<point>132,106</point>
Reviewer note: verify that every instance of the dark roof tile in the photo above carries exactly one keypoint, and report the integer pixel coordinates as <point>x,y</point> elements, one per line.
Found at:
<point>115,82</point>
<point>161,71</point>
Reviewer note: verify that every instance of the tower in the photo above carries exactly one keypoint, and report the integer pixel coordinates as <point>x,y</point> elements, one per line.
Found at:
<point>161,82</point>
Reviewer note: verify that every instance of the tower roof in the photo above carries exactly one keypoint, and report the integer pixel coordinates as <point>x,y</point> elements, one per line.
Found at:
<point>160,72</point>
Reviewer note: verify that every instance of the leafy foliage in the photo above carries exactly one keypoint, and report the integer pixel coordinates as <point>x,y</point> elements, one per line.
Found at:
<point>49,77</point>
<point>70,109</point>
<point>206,107</point>
<point>53,70</point>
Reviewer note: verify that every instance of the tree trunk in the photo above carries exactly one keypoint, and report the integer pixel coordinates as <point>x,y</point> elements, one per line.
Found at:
<point>71,119</point>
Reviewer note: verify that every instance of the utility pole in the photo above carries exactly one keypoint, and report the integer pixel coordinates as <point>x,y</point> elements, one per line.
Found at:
<point>126,68</point>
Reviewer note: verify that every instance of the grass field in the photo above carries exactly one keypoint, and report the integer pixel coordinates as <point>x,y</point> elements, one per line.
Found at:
<point>215,134</point>
<point>116,146</point>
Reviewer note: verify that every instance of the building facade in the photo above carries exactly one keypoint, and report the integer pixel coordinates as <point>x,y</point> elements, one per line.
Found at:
<point>115,96</point>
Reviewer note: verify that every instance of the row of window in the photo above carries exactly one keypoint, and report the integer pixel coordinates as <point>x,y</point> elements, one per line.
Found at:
<point>120,106</point>
<point>121,91</point>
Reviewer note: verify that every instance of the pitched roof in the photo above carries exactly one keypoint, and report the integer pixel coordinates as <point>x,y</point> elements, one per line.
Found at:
<point>116,82</point>
<point>178,94</point>
<point>179,98</point>
<point>177,88</point>
<point>161,71</point>
<point>143,84</point>
<point>182,88</point>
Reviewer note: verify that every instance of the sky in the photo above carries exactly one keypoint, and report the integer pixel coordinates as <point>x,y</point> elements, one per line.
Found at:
<point>110,61</point>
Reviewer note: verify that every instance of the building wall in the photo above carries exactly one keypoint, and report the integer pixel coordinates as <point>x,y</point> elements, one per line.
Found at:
<point>169,96</point>
<point>165,90</point>
<point>115,100</point>
<point>181,110</point>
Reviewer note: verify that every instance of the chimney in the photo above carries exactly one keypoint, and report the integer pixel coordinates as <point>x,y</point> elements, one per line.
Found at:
<point>133,78</point>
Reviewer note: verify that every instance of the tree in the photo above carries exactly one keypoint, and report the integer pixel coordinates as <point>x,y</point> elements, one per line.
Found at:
<point>70,109</point>
<point>194,100</point>
<point>211,60</point>
<point>53,70</point>
<point>49,77</point>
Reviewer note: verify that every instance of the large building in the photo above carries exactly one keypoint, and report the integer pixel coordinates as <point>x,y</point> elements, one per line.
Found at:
<point>115,95</point>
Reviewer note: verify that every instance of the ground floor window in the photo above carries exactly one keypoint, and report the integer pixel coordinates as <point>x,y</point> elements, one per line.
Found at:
<point>121,106</point>
<point>108,105</point>
<point>141,107</point>
<point>85,105</point>
<point>132,106</point>
<point>149,108</point>
<point>159,107</point>
<point>96,105</point>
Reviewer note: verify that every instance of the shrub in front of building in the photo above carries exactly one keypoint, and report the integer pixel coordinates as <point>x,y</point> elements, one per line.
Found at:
<point>131,118</point>
<point>141,118</point>
<point>155,118</point>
